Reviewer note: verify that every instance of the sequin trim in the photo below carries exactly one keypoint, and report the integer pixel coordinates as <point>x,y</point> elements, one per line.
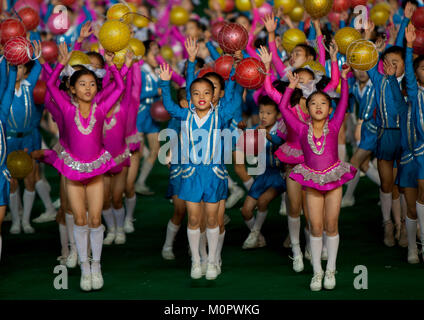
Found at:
<point>89,129</point>
<point>331,174</point>
<point>135,138</point>
<point>289,151</point>
<point>219,174</point>
<point>190,170</point>
<point>84,167</point>
<point>311,138</point>
<point>406,159</point>
<point>122,157</point>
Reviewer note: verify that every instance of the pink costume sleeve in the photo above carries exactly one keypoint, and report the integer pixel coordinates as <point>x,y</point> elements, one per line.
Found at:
<point>54,91</point>
<point>108,103</point>
<point>108,86</point>
<point>217,20</point>
<point>278,64</point>
<point>273,93</point>
<point>180,38</point>
<point>47,71</point>
<point>77,46</point>
<point>321,50</point>
<point>335,77</point>
<point>289,116</point>
<point>163,22</point>
<point>340,112</point>
<point>176,77</point>
<point>261,91</point>
<point>164,38</point>
<point>250,44</point>
<point>136,83</point>
<point>50,105</point>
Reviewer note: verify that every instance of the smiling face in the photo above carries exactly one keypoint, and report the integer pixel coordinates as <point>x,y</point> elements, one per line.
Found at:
<point>218,93</point>
<point>85,88</point>
<point>396,60</point>
<point>201,95</point>
<point>419,72</point>
<point>268,115</point>
<point>319,107</point>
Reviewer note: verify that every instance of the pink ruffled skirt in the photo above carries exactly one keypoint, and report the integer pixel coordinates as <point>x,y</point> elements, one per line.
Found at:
<point>134,141</point>
<point>289,154</point>
<point>326,180</point>
<point>121,161</point>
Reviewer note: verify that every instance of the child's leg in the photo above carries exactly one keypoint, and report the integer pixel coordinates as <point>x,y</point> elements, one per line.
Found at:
<point>43,190</point>
<point>28,200</point>
<point>2,214</point>
<point>63,233</point>
<point>194,210</point>
<point>247,211</point>
<point>212,234</point>
<point>420,210</point>
<point>411,224</point>
<point>294,193</point>
<point>396,210</point>
<point>221,213</point>
<point>118,187</point>
<point>263,203</point>
<point>107,212</point>
<point>203,239</point>
<point>240,169</point>
<point>14,207</point>
<point>173,226</point>
<point>130,197</point>
<point>148,163</point>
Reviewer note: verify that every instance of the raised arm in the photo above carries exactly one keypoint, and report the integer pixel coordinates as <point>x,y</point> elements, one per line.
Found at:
<point>250,43</point>
<point>273,93</point>
<point>177,78</point>
<point>174,110</point>
<point>340,112</point>
<point>398,100</point>
<point>107,104</point>
<point>6,99</point>
<point>271,24</point>
<point>3,73</point>
<point>212,50</point>
<point>411,80</point>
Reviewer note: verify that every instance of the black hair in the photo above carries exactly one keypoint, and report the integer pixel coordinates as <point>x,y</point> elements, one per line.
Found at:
<point>414,2</point>
<point>298,70</point>
<point>318,92</point>
<point>181,94</point>
<point>202,80</point>
<point>233,20</point>
<point>267,101</point>
<point>394,49</point>
<point>64,83</point>
<point>98,56</point>
<point>199,64</point>
<point>217,77</point>
<point>148,46</point>
<point>310,51</point>
<point>78,74</point>
<point>417,62</point>
<point>28,66</point>
<point>296,96</point>
<point>199,25</point>
<point>280,86</point>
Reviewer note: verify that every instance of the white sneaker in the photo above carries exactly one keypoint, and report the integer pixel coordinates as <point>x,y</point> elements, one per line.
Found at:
<point>128,226</point>
<point>283,209</point>
<point>120,237</point>
<point>62,260</point>
<point>211,272</point>
<point>144,190</point>
<point>196,271</point>
<point>218,268</point>
<point>16,228</point>
<point>8,217</point>
<point>85,282</point>
<point>330,280</point>
<point>167,253</point>
<point>324,253</point>
<point>56,204</point>
<point>261,241</point>
<point>72,260</point>
<point>203,267</point>
<point>298,263</point>
<point>96,280</point>
<point>348,202</point>
<point>316,282</point>
<point>236,194</point>
<point>308,255</point>
<point>227,219</point>
<point>403,236</point>
<point>28,229</point>
<point>252,240</point>
<point>110,237</point>
<point>413,256</point>
<point>47,216</point>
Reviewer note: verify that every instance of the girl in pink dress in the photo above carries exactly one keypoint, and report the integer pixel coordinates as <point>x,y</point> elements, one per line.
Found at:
<point>83,160</point>
<point>322,173</point>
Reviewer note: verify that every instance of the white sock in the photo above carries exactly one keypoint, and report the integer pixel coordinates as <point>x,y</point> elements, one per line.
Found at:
<point>194,241</point>
<point>146,152</point>
<point>29,197</point>
<point>202,247</point>
<point>219,247</point>
<point>324,240</point>
<point>307,239</point>
<point>372,173</point>
<point>109,219</point>
<point>43,191</point>
<point>248,183</point>
<point>231,182</point>
<point>81,235</point>
<point>145,170</point>
<point>351,186</point>
<point>212,236</point>
<point>14,208</point>
<point>342,151</point>
<point>130,207</point>
<point>333,247</point>
<point>316,248</point>
<point>420,215</point>
<point>119,217</point>
<point>386,205</point>
<point>171,232</point>
<point>70,227</point>
<point>250,223</point>
<point>63,233</point>
<point>260,219</point>
<point>294,231</point>
<point>96,241</point>
<point>411,231</point>
<point>403,207</point>
<point>396,211</point>
<point>20,208</point>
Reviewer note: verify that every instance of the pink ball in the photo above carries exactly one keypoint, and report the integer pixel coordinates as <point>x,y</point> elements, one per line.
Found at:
<point>158,112</point>
<point>265,9</point>
<point>233,37</point>
<point>58,23</point>
<point>27,3</point>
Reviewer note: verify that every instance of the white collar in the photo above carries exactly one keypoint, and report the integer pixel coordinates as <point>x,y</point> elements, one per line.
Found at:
<point>147,68</point>
<point>24,82</point>
<point>201,121</point>
<point>362,91</point>
<point>399,79</point>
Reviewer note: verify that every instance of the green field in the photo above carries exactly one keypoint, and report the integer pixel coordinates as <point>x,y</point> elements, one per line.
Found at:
<point>136,270</point>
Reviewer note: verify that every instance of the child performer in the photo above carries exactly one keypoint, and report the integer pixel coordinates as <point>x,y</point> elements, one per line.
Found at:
<point>84,160</point>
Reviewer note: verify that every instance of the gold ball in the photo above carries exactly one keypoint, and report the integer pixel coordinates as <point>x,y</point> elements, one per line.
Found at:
<point>315,66</point>
<point>140,21</point>
<point>78,57</point>
<point>114,35</point>
<point>362,55</point>
<point>287,5</point>
<point>120,11</point>
<point>137,47</point>
<point>222,4</point>
<point>119,57</point>
<point>379,15</point>
<point>94,47</point>
<point>291,38</point>
<point>245,5</point>
<point>297,13</point>
<point>179,16</point>
<point>166,52</point>
<point>318,8</point>
<point>345,36</point>
<point>19,164</point>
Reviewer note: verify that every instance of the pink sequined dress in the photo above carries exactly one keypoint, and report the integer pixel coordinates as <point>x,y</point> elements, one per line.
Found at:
<point>83,156</point>
<point>322,169</point>
<point>133,137</point>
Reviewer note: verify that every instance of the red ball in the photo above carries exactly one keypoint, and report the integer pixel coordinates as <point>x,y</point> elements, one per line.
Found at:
<point>216,28</point>
<point>334,17</point>
<point>68,2</point>
<point>250,73</point>
<point>34,4</point>
<point>58,23</point>
<point>11,28</point>
<point>204,71</point>
<point>418,18</point>
<point>158,112</point>
<point>223,66</point>
<point>419,42</point>
<point>18,51</point>
<point>341,5</point>
<point>49,50</point>
<point>354,3</point>
<point>39,92</point>
<point>29,17</point>
<point>251,142</point>
<point>233,37</point>
<point>229,5</point>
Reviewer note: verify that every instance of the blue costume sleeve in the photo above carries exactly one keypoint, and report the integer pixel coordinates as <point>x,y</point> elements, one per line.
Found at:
<point>375,76</point>
<point>48,13</point>
<point>190,78</point>
<point>34,74</point>
<point>245,54</point>
<point>275,139</point>
<point>7,98</point>
<point>398,100</point>
<point>2,76</point>
<point>34,35</point>
<point>212,50</point>
<point>174,110</point>
<point>301,26</point>
<point>312,32</point>
<point>411,81</point>
<point>229,88</point>
<point>401,33</point>
<point>342,24</point>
